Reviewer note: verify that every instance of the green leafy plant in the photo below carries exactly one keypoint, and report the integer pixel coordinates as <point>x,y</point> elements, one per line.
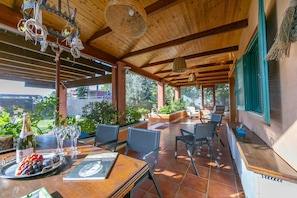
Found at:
<point>132,115</point>
<point>143,111</point>
<point>45,109</point>
<point>176,105</point>
<point>101,112</point>
<point>86,125</point>
<point>165,109</point>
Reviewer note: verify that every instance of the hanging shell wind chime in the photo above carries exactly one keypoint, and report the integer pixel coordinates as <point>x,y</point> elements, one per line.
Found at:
<point>33,28</point>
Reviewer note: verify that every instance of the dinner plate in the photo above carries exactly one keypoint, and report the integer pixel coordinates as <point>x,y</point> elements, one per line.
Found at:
<point>8,170</point>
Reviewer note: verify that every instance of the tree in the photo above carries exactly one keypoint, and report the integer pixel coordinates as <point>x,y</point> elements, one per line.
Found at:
<point>140,91</point>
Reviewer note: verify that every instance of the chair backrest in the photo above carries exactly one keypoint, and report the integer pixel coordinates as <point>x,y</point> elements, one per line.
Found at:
<point>142,140</point>
<point>106,133</point>
<point>219,109</point>
<point>217,118</point>
<point>204,130</point>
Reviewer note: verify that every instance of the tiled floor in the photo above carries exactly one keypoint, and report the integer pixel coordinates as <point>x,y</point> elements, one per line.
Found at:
<point>176,177</point>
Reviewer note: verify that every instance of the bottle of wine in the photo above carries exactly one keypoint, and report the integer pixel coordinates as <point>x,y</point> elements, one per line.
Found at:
<point>26,142</point>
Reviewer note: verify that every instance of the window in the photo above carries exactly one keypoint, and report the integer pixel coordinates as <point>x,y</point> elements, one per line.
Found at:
<point>248,80</point>
<point>249,84</point>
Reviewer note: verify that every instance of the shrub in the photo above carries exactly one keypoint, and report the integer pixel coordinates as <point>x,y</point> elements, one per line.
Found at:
<point>132,115</point>
<point>174,106</point>
<point>101,112</point>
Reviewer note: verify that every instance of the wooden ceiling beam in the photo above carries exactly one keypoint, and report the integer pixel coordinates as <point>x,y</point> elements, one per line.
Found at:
<point>197,55</point>
<point>219,73</point>
<point>142,72</point>
<point>17,44</point>
<point>88,81</point>
<point>151,9</point>
<point>12,59</point>
<point>218,30</point>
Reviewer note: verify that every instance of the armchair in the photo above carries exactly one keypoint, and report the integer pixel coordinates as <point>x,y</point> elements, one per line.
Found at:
<point>146,143</point>
<point>191,112</point>
<point>203,134</point>
<point>106,135</point>
<point>216,118</point>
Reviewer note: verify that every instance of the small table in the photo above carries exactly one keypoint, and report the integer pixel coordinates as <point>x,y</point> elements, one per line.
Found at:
<point>122,178</point>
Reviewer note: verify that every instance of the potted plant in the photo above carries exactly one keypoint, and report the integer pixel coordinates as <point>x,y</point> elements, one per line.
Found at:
<point>144,113</point>
<point>11,126</point>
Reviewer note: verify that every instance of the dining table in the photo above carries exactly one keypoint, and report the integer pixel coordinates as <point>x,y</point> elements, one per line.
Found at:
<point>125,173</point>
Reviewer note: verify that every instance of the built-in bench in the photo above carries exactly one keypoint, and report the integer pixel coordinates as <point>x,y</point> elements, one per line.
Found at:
<point>263,173</point>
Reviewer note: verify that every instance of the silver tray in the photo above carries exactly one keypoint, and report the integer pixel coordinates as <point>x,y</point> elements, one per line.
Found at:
<point>8,170</point>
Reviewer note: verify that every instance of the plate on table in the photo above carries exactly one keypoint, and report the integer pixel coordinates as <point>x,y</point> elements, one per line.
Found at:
<point>8,170</point>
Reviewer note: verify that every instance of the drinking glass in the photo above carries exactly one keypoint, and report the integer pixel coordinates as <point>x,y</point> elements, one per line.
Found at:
<point>77,132</point>
<point>71,131</point>
<point>55,132</point>
<point>62,135</point>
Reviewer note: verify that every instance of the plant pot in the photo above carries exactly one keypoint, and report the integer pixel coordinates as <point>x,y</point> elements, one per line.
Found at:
<point>144,116</point>
<point>6,142</point>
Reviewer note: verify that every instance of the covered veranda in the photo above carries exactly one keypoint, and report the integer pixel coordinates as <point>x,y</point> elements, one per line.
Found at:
<point>216,38</point>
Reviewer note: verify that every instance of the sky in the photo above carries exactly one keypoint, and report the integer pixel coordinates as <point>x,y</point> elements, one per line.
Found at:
<point>15,87</point>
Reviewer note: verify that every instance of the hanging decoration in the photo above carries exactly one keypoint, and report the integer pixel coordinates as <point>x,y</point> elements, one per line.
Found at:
<point>192,77</point>
<point>126,17</point>
<point>179,65</point>
<point>31,25</point>
<point>286,35</point>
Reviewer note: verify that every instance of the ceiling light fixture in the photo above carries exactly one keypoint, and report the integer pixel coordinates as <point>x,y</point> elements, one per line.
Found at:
<point>192,77</point>
<point>179,65</point>
<point>126,17</point>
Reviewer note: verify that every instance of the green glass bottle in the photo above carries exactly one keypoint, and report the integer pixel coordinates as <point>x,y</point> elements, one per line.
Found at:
<point>26,143</point>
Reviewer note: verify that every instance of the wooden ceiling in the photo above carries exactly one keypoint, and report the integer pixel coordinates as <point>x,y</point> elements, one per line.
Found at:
<point>204,32</point>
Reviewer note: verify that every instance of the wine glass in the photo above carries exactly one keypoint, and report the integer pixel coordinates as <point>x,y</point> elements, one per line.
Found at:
<point>71,131</point>
<point>62,135</point>
<point>55,132</point>
<point>77,132</point>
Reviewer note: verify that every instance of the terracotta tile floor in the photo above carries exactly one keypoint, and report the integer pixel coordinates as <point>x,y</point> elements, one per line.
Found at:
<point>176,177</point>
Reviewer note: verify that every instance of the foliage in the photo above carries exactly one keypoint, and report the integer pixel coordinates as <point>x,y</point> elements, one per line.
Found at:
<point>191,96</point>
<point>143,111</point>
<point>101,112</point>
<point>44,109</point>
<point>9,126</point>
<point>86,125</point>
<point>140,91</point>
<point>82,92</point>
<point>165,109</point>
<point>132,115</point>
<point>175,105</point>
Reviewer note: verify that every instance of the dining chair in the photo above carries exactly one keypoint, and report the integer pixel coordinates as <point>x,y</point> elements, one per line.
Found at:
<point>217,118</point>
<point>146,143</point>
<point>203,134</point>
<point>106,135</point>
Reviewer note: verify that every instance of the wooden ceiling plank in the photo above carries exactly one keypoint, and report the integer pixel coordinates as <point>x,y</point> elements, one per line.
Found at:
<point>218,30</point>
<point>151,9</point>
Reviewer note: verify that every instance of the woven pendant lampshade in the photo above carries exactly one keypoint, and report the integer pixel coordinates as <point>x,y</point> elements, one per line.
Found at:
<point>192,77</point>
<point>126,17</point>
<point>179,65</point>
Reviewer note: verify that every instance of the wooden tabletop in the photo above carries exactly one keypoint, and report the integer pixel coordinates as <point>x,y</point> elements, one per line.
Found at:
<point>260,158</point>
<point>125,173</point>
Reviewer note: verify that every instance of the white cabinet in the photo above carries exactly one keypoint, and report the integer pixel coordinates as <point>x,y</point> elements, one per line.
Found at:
<point>257,185</point>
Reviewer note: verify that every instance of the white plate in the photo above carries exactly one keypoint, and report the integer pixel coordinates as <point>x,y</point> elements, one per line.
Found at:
<point>8,170</point>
